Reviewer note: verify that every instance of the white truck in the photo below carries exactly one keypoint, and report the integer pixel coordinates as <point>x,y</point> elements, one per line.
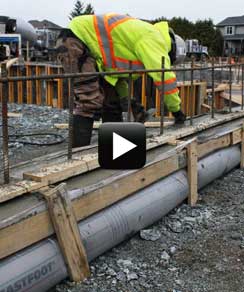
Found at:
<point>14,35</point>
<point>195,50</point>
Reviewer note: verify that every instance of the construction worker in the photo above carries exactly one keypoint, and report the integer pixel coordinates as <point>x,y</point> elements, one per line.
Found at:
<point>111,42</point>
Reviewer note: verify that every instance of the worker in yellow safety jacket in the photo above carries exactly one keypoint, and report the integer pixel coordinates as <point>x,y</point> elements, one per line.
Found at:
<point>113,42</point>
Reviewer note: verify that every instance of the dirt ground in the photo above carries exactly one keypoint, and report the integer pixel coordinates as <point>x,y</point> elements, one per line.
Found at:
<point>190,250</point>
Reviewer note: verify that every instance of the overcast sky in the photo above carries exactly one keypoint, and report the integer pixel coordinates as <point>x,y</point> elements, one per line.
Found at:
<point>58,10</point>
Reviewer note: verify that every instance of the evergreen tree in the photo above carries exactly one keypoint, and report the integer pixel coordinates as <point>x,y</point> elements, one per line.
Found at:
<point>202,30</point>
<point>81,9</point>
<point>182,27</point>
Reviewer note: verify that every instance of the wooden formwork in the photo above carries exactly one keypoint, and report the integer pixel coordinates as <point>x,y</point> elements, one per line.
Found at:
<point>184,153</point>
<point>54,92</point>
<point>39,92</point>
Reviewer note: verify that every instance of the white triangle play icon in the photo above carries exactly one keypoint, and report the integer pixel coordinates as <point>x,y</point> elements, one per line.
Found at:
<point>121,146</point>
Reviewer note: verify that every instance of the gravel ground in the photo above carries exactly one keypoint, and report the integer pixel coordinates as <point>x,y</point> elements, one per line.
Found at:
<point>190,250</point>
<point>34,119</point>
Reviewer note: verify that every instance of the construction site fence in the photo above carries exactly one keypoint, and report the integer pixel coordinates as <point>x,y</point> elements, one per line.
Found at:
<point>39,79</point>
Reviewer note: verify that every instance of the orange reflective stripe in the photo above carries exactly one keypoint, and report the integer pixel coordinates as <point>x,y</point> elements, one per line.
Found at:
<point>172,91</point>
<point>103,26</point>
<point>169,81</point>
<point>119,22</point>
<point>136,62</point>
<point>99,38</point>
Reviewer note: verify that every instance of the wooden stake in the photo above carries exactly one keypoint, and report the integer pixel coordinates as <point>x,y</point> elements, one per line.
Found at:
<point>64,223</point>
<point>242,146</point>
<point>29,84</point>
<point>192,172</point>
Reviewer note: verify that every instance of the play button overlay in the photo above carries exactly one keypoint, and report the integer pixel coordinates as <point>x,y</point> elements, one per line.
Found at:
<point>122,145</point>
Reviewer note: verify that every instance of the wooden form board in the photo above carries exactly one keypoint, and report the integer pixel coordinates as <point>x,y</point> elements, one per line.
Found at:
<point>234,98</point>
<point>10,191</point>
<point>78,166</point>
<point>108,192</point>
<point>192,157</point>
<point>96,125</point>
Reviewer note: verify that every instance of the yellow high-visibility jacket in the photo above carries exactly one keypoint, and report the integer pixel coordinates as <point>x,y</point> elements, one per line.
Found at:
<point>116,40</point>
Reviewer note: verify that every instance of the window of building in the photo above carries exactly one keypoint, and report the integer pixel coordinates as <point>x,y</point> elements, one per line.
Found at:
<point>230,30</point>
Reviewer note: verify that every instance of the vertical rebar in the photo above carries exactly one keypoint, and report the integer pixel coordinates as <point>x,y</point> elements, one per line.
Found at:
<point>200,72</point>
<point>130,93</point>
<point>230,89</point>
<point>71,109</point>
<point>5,124</point>
<point>213,93</point>
<point>238,73</point>
<point>242,86</point>
<point>162,98</point>
<point>184,73</point>
<point>192,92</point>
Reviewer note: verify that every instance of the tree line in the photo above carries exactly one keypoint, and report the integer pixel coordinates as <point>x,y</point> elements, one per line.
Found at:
<point>203,30</point>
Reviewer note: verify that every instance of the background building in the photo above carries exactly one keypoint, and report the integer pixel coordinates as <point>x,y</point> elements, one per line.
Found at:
<point>232,29</point>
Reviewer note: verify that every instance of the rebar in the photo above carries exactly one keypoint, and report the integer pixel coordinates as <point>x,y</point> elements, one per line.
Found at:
<point>5,125</point>
<point>242,87</point>
<point>130,93</point>
<point>230,89</point>
<point>71,115</point>
<point>162,98</point>
<point>192,92</point>
<point>213,93</point>
<point>101,74</point>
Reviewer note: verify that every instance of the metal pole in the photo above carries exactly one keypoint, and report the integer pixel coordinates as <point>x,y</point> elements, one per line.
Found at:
<point>242,86</point>
<point>192,92</point>
<point>184,73</point>
<point>221,73</point>
<point>213,94</point>
<point>71,109</point>
<point>238,73</point>
<point>230,89</point>
<point>162,98</point>
<point>200,72</point>
<point>98,74</point>
<point>5,125</point>
<point>130,93</point>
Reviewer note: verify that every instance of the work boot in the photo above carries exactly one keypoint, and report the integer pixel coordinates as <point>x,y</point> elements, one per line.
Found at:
<point>82,131</point>
<point>112,112</point>
<point>139,113</point>
<point>179,117</point>
<point>112,117</point>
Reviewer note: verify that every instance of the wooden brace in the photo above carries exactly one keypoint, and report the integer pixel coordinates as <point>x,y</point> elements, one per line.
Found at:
<point>67,231</point>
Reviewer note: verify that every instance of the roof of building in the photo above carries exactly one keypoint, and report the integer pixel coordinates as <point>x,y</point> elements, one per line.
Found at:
<point>236,20</point>
<point>44,24</point>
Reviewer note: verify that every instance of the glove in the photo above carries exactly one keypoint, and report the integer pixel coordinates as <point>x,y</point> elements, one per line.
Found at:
<point>179,117</point>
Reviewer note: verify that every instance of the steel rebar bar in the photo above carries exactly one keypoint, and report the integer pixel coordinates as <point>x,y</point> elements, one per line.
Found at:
<point>192,92</point>
<point>162,98</point>
<point>102,74</point>
<point>242,87</point>
<point>71,109</point>
<point>230,89</point>
<point>129,93</point>
<point>5,125</point>
<point>213,93</point>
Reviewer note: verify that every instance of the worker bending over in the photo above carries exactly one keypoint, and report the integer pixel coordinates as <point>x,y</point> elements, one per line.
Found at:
<point>110,42</point>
